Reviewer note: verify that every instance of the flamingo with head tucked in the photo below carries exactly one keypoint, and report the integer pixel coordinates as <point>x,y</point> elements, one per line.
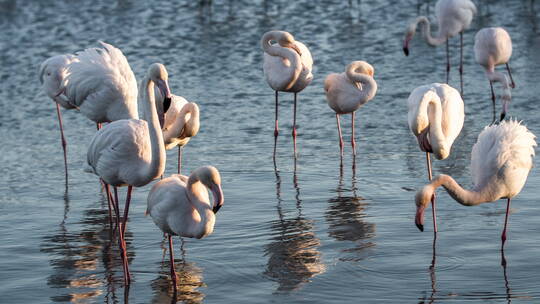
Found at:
<point>501,160</point>
<point>454,17</point>
<point>348,91</point>
<point>436,115</point>
<point>180,205</point>
<point>287,67</point>
<point>131,152</point>
<point>492,47</point>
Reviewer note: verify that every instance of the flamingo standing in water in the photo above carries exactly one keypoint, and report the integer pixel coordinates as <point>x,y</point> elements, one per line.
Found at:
<point>454,17</point>
<point>97,81</point>
<point>179,121</point>
<point>501,160</point>
<point>179,205</point>
<point>492,47</point>
<point>436,115</point>
<point>348,91</point>
<point>130,152</point>
<point>287,68</point>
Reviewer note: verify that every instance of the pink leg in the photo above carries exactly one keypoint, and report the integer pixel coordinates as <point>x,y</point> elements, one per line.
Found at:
<point>126,208</point>
<point>503,236</point>
<point>461,62</point>
<point>64,144</point>
<point>513,85</point>
<point>179,158</point>
<point>340,137</point>
<point>433,211</point>
<point>98,125</point>
<point>276,129</point>
<point>353,142</point>
<point>447,62</point>
<point>294,125</point>
<point>108,193</point>
<point>171,257</point>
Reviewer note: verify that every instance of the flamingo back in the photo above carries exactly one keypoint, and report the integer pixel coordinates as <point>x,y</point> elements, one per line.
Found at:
<point>503,152</point>
<point>306,76</point>
<point>454,16</point>
<point>343,96</point>
<point>102,85</point>
<point>492,46</point>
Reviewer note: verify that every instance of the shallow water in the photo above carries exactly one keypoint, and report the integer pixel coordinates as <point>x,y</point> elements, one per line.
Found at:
<point>298,232</point>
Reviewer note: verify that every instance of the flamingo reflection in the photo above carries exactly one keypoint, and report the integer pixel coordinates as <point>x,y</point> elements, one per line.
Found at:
<point>293,253</point>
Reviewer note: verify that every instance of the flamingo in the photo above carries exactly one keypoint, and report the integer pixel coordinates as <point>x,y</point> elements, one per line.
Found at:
<point>501,159</point>
<point>435,115</point>
<point>179,121</point>
<point>287,68</point>
<point>492,47</point>
<point>348,91</point>
<point>131,151</point>
<point>179,205</point>
<point>454,17</point>
<point>97,81</point>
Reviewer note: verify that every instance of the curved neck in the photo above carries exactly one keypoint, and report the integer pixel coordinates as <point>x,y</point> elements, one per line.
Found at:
<point>294,66</point>
<point>425,27</point>
<point>184,127</point>
<point>366,83</point>
<point>198,196</point>
<point>430,111</point>
<point>494,76</point>
<point>463,196</point>
<point>156,167</point>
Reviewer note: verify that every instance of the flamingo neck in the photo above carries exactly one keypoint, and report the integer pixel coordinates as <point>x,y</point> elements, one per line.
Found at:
<point>183,126</point>
<point>494,76</point>
<point>367,85</point>
<point>425,27</point>
<point>198,196</point>
<point>156,167</point>
<point>430,112</point>
<point>463,196</point>
<point>293,62</point>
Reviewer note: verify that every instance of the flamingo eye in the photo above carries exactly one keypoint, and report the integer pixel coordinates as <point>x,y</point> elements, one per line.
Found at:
<point>48,73</point>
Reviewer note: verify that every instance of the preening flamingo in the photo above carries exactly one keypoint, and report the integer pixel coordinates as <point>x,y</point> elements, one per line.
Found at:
<point>454,17</point>
<point>435,114</point>
<point>501,159</point>
<point>492,47</point>
<point>130,152</point>
<point>348,91</point>
<point>97,81</point>
<point>179,205</point>
<point>179,121</point>
<point>287,67</point>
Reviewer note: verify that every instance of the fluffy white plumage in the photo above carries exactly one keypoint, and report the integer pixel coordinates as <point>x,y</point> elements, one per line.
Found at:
<point>52,74</point>
<point>454,16</point>
<point>435,115</point>
<point>102,85</point>
<point>180,205</point>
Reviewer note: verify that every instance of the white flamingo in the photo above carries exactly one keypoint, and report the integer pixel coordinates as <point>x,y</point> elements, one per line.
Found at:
<point>492,47</point>
<point>97,81</point>
<point>435,114</point>
<point>501,159</point>
<point>131,151</point>
<point>287,67</point>
<point>179,121</point>
<point>179,205</point>
<point>454,17</point>
<point>348,91</point>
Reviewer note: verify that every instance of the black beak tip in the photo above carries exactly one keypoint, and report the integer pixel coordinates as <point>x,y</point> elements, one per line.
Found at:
<point>166,104</point>
<point>406,51</point>
<point>216,209</point>
<point>420,227</point>
<point>503,115</point>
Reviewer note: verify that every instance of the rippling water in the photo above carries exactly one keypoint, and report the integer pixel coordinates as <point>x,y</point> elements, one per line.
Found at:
<point>297,232</point>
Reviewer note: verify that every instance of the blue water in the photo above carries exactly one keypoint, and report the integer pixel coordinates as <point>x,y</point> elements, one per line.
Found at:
<point>304,232</point>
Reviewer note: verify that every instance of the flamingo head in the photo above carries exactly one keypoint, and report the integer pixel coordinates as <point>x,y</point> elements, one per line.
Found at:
<point>285,39</point>
<point>408,38</point>
<point>52,73</point>
<point>422,200</point>
<point>160,77</point>
<point>505,101</point>
<point>210,177</point>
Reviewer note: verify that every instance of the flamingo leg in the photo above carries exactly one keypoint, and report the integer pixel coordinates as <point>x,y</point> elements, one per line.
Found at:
<point>126,208</point>
<point>447,61</point>
<point>353,142</point>
<point>513,85</point>
<point>108,193</point>
<point>276,129</point>
<point>503,236</point>
<point>493,101</point>
<point>171,257</point>
<point>461,62</point>
<point>179,158</point>
<point>64,144</point>
<point>340,137</point>
<point>433,211</point>
<point>294,125</point>
<point>98,125</point>
<point>121,243</point>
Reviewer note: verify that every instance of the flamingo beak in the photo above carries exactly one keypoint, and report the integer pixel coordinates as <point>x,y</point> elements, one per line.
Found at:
<point>406,45</point>
<point>217,192</point>
<point>419,219</point>
<point>504,109</point>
